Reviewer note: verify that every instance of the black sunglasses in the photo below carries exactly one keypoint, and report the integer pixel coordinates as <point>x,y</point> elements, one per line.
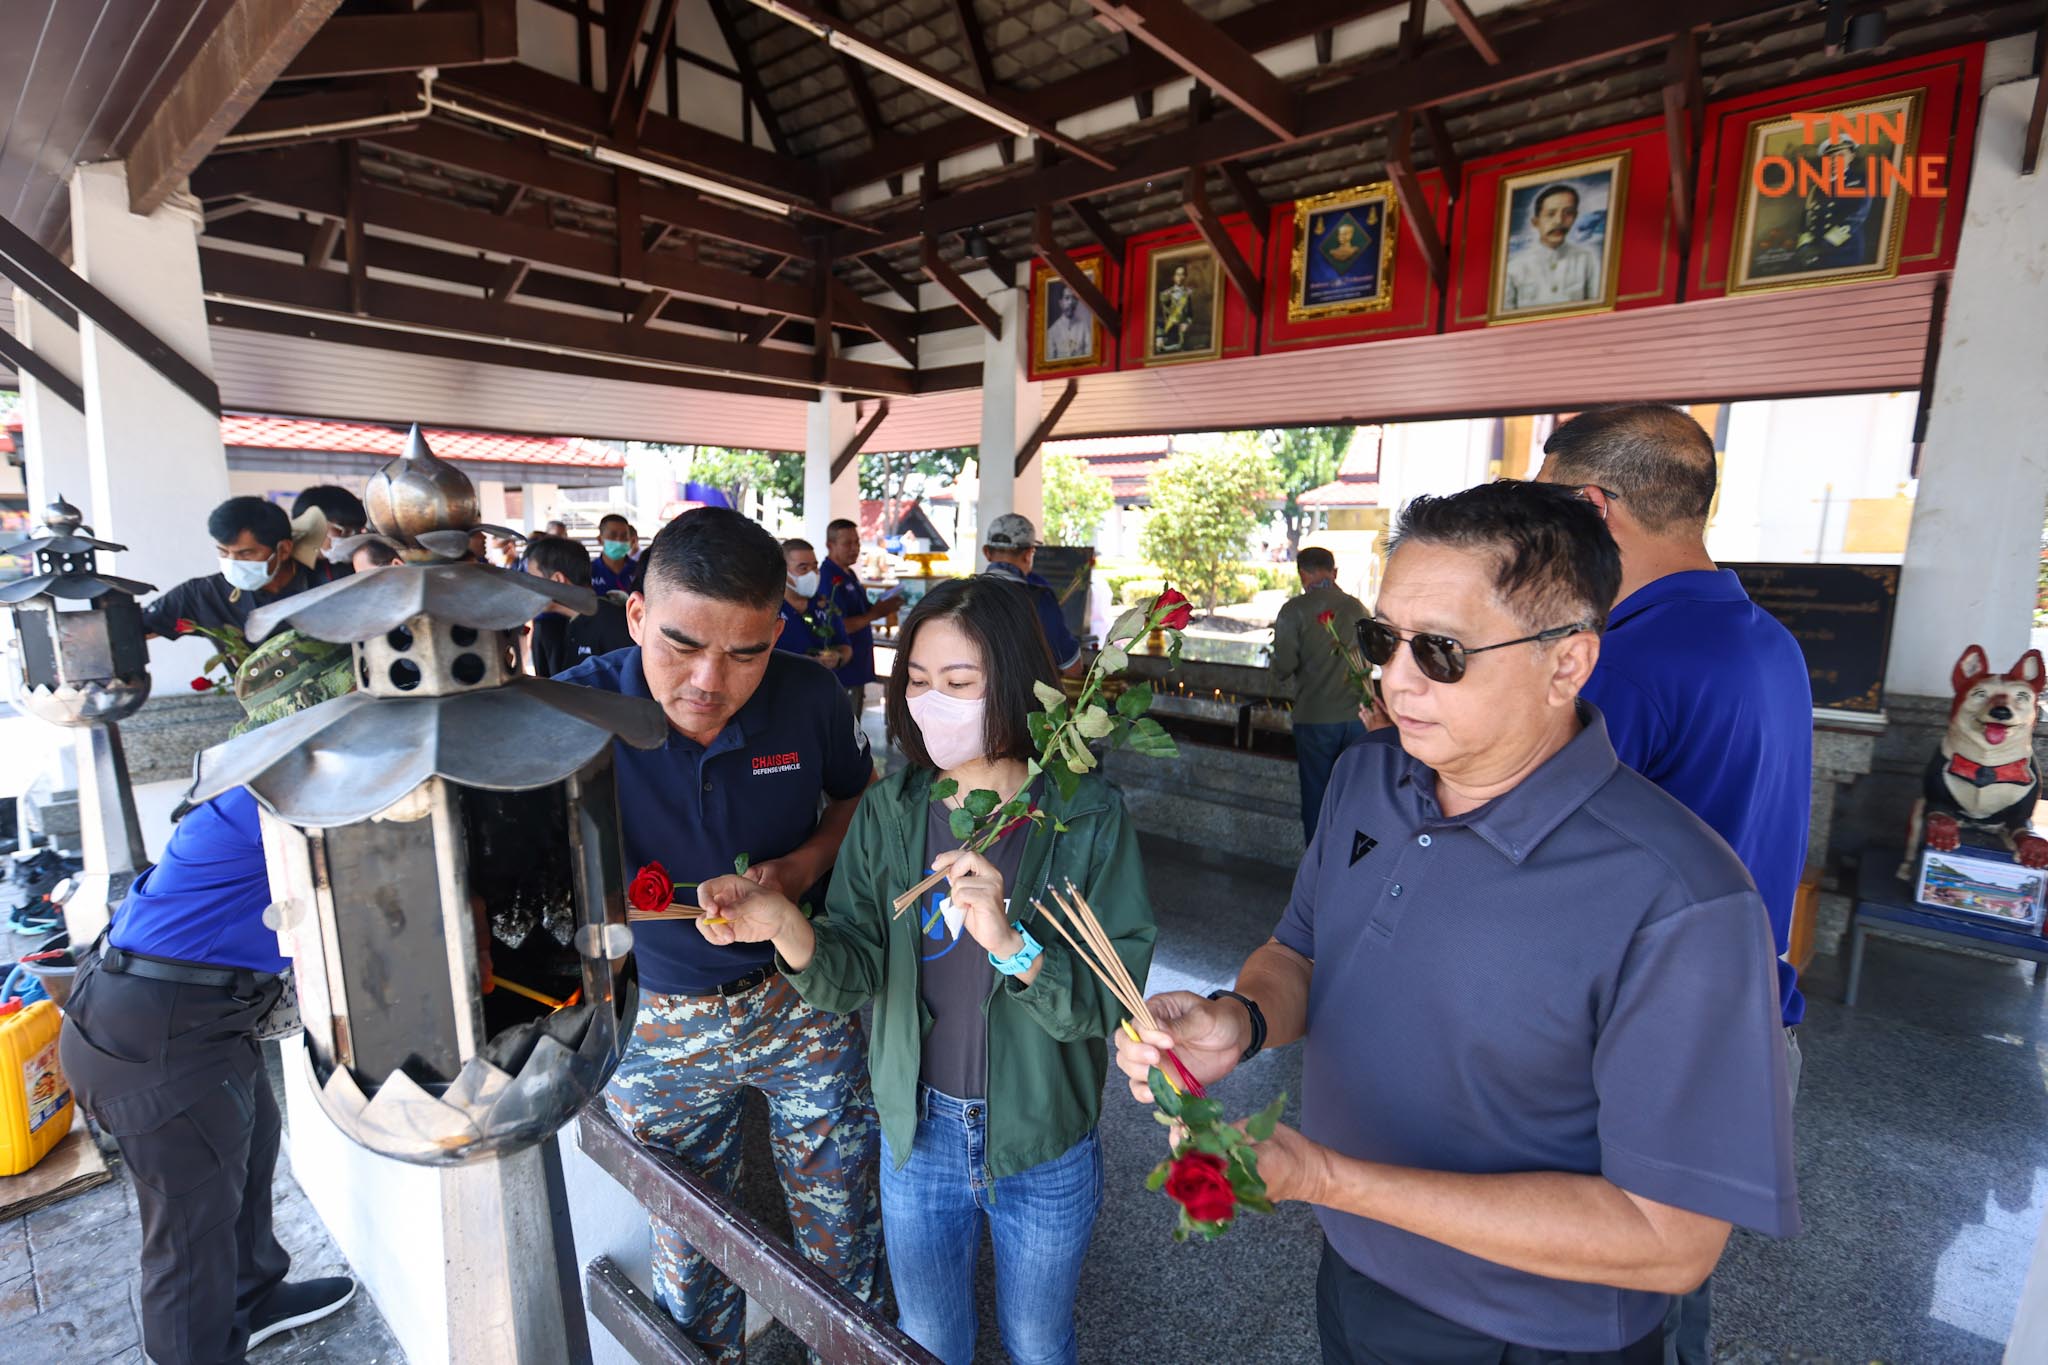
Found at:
<point>1440,658</point>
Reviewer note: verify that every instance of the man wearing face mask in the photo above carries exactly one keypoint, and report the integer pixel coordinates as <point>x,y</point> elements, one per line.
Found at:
<point>762,760</point>
<point>616,568</point>
<point>810,625</point>
<point>253,538</point>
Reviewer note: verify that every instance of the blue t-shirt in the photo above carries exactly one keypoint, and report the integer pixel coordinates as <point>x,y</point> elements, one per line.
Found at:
<point>1065,648</point>
<point>757,790</point>
<point>841,587</point>
<point>604,578</point>
<point>204,900</point>
<point>1707,695</point>
<point>1573,977</point>
<point>800,628</point>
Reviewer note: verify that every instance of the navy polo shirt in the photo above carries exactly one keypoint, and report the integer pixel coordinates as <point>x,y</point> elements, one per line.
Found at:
<point>204,899</point>
<point>1065,648</point>
<point>841,587</point>
<point>797,635</point>
<point>604,578</point>
<point>1574,977</point>
<point>1708,696</point>
<point>756,789</point>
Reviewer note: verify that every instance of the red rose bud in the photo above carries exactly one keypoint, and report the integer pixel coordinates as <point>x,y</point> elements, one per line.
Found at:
<point>202,684</point>
<point>1200,1183</point>
<point>184,624</point>
<point>1326,618</point>
<point>651,889</point>
<point>1179,612</point>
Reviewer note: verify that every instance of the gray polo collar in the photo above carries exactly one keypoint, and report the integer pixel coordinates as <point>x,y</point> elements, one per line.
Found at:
<point>1517,821</point>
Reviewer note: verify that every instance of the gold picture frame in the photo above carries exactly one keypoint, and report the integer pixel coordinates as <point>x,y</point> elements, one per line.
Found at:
<point>1183,305</point>
<point>1526,284</point>
<point>1056,305</point>
<point>1798,241</point>
<point>1344,253</point>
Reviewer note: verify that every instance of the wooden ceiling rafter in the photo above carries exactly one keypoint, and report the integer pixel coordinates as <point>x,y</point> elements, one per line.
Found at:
<point>1209,224</point>
<point>1474,31</point>
<point>1206,52</point>
<point>472,33</point>
<point>752,92</point>
<point>1416,215</point>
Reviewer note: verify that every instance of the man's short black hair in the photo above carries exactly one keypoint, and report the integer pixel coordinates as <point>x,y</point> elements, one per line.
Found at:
<point>610,517</point>
<point>1316,559</point>
<point>999,617</point>
<point>838,524</point>
<point>550,555</point>
<point>1555,564</point>
<point>717,553</point>
<point>1655,458</point>
<point>798,543</point>
<point>341,507</point>
<point>381,555</point>
<point>260,517</point>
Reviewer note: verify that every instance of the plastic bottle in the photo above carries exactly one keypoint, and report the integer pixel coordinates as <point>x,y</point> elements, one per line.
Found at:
<point>36,1107</point>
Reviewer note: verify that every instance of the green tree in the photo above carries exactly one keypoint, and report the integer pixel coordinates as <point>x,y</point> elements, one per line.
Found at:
<point>897,478</point>
<point>1076,500</point>
<point>1306,457</point>
<point>738,472</point>
<point>1206,503</point>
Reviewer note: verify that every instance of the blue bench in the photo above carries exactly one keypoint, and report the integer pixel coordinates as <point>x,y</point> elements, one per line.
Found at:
<point>1884,902</point>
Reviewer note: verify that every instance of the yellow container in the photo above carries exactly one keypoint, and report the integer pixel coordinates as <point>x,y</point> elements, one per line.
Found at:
<point>35,1099</point>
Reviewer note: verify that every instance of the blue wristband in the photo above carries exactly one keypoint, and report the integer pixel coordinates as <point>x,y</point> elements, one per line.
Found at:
<point>1019,962</point>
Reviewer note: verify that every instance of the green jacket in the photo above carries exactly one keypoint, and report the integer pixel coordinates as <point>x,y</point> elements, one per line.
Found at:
<point>1303,651</point>
<point>1046,1051</point>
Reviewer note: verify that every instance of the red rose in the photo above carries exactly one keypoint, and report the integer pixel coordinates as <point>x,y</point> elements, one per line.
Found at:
<point>1326,618</point>
<point>1200,1183</point>
<point>651,889</point>
<point>1177,608</point>
<point>202,684</point>
<point>184,625</point>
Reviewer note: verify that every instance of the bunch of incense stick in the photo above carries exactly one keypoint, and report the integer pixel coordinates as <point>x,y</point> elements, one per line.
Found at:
<point>1100,955</point>
<point>673,912</point>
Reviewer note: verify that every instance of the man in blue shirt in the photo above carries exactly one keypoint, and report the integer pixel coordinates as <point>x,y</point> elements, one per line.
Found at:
<point>1542,1072</point>
<point>762,763</point>
<point>1009,547</point>
<point>810,621</point>
<point>841,585</point>
<point>615,568</point>
<point>160,1044</point>
<point>1705,693</point>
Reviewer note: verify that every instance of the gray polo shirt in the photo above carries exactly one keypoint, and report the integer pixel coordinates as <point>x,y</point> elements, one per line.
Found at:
<point>1578,976</point>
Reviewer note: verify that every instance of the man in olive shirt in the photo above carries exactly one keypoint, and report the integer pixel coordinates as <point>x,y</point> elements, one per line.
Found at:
<point>1325,703</point>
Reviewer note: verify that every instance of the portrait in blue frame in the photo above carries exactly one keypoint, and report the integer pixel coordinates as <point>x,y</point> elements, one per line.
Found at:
<point>1343,253</point>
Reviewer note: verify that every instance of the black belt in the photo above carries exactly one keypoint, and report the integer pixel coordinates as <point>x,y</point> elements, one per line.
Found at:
<point>740,985</point>
<point>124,963</point>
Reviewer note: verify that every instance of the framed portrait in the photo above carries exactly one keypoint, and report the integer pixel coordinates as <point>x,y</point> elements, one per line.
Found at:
<point>1067,336</point>
<point>1820,203</point>
<point>1183,305</point>
<point>1557,247</point>
<point>1343,253</point>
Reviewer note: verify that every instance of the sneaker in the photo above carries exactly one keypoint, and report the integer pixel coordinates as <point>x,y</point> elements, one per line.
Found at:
<point>296,1304</point>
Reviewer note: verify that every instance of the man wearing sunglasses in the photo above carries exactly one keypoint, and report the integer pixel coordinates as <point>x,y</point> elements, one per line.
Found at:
<point>1542,1071</point>
<point>1705,693</point>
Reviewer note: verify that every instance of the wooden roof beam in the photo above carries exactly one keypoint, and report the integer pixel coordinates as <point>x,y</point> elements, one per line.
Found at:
<point>1195,201</point>
<point>250,46</point>
<point>1415,213</point>
<point>624,21</point>
<point>1204,51</point>
<point>1041,433</point>
<point>857,83</point>
<point>470,34</point>
<point>1475,33</point>
<point>963,293</point>
<point>1107,237</point>
<point>867,430</point>
<point>643,93</point>
<point>977,43</point>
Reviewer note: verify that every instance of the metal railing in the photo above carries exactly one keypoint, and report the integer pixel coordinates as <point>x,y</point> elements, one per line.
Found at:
<point>771,1272</point>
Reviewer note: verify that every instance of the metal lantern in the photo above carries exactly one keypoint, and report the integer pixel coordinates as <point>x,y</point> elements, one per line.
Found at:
<point>85,665</point>
<point>445,858</point>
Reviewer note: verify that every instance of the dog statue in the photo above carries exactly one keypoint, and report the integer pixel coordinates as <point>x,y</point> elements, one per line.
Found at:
<point>1982,778</point>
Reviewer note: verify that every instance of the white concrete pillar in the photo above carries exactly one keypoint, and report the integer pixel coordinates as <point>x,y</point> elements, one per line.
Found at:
<point>52,431</point>
<point>1010,409</point>
<point>829,424</point>
<point>1973,554</point>
<point>538,502</point>
<point>157,464</point>
<point>490,501</point>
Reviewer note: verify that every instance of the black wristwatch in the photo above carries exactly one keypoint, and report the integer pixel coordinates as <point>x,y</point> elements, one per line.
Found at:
<point>1258,1015</point>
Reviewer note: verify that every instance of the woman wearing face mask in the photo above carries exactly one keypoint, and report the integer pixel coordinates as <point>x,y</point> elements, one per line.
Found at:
<point>989,1113</point>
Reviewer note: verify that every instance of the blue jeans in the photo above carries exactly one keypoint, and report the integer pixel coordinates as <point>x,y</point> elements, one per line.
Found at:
<point>1315,752</point>
<point>1040,1220</point>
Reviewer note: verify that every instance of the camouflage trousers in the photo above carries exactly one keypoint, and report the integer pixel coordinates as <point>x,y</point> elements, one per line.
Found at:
<point>678,1090</point>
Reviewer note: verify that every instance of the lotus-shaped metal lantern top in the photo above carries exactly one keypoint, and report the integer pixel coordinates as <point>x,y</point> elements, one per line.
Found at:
<point>67,561</point>
<point>419,492</point>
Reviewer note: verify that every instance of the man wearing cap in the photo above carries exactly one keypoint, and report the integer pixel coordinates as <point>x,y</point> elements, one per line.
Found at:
<point>1010,547</point>
<point>762,763</point>
<point>160,1043</point>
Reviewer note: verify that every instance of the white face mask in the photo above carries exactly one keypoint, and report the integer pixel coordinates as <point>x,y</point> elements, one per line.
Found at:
<point>246,574</point>
<point>805,584</point>
<point>953,728</point>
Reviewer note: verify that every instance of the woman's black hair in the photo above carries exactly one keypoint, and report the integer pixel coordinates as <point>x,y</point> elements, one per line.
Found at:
<point>998,616</point>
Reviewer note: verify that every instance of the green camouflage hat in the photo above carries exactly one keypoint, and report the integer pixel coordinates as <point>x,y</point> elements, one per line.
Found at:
<point>288,673</point>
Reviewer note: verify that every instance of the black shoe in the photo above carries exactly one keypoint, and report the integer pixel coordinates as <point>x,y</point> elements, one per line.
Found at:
<point>296,1304</point>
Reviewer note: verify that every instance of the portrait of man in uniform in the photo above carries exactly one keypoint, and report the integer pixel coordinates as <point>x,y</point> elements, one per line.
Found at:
<point>1814,206</point>
<point>1184,306</point>
<point>1557,245</point>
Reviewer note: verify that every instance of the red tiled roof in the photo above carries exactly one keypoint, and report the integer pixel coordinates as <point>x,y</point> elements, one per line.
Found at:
<point>364,438</point>
<point>1358,479</point>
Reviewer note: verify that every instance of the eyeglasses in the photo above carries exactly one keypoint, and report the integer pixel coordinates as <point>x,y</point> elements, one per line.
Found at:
<point>1440,658</point>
